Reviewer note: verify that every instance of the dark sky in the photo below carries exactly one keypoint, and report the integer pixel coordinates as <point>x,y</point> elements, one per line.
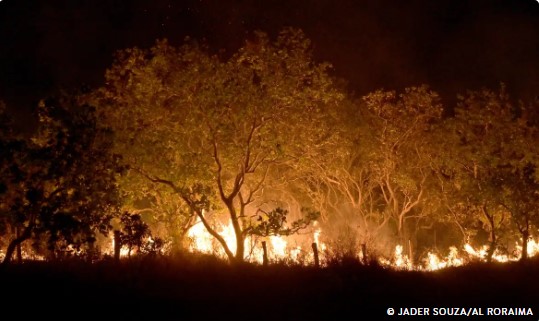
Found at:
<point>453,45</point>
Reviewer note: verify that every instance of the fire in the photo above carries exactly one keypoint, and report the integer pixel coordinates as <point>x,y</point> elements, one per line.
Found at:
<point>124,251</point>
<point>27,256</point>
<point>402,261</point>
<point>433,262</point>
<point>281,248</point>
<point>316,237</point>
<point>201,240</point>
<point>533,247</point>
<point>278,247</point>
<point>482,253</point>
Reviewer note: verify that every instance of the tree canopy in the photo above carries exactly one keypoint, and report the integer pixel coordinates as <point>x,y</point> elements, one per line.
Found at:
<point>59,186</point>
<point>218,130</point>
<point>265,140</point>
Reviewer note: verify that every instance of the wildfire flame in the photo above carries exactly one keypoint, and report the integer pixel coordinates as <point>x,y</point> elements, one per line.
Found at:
<point>277,246</point>
<point>433,262</point>
<point>280,248</point>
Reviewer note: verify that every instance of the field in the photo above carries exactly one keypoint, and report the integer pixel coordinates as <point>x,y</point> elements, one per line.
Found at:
<point>203,288</point>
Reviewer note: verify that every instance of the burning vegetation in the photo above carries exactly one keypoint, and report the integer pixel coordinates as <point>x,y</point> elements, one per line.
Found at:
<point>262,156</point>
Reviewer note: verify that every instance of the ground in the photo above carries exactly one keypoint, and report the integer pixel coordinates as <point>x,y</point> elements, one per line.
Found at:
<point>202,288</point>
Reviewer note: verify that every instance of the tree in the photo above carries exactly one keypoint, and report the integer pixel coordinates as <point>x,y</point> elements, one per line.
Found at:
<point>135,233</point>
<point>167,217</point>
<point>342,185</point>
<point>61,185</point>
<point>492,166</point>
<point>520,197</point>
<point>401,153</point>
<point>11,160</point>
<point>219,131</point>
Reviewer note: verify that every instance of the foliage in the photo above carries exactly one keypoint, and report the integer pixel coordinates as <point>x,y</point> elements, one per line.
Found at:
<point>491,160</point>
<point>61,184</point>
<point>217,131</point>
<point>255,138</point>
<point>11,160</point>
<point>401,155</point>
<point>135,233</point>
<point>274,222</point>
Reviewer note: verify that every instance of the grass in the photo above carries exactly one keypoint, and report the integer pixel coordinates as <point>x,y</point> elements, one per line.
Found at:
<point>199,287</point>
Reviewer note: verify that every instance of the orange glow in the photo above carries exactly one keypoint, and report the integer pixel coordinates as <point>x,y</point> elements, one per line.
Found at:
<point>455,257</point>
<point>278,247</point>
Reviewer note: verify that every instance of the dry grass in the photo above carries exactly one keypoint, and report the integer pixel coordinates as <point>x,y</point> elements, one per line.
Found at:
<point>198,287</point>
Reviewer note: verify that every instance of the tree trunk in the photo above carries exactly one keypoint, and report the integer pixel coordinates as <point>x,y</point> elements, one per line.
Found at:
<point>525,237</point>
<point>410,252</point>
<point>265,255</point>
<point>492,237</point>
<point>491,247</point>
<point>315,252</point>
<point>91,252</point>
<point>240,247</point>
<point>16,242</point>
<point>19,249</point>
<point>117,245</point>
<point>239,257</point>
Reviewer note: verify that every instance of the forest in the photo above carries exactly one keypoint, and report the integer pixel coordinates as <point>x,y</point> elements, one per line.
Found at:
<point>259,154</point>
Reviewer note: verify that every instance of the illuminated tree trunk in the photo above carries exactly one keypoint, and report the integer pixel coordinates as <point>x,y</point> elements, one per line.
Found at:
<point>240,244</point>
<point>117,245</point>
<point>315,253</point>
<point>524,230</point>
<point>265,255</point>
<point>492,245</point>
<point>525,236</point>
<point>492,236</point>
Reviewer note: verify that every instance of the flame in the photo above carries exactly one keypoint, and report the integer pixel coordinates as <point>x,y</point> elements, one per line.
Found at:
<point>278,247</point>
<point>201,240</point>
<point>124,251</point>
<point>433,262</point>
<point>533,248</point>
<point>402,261</point>
<point>27,256</point>
<point>482,254</point>
<point>316,237</point>
<point>281,248</point>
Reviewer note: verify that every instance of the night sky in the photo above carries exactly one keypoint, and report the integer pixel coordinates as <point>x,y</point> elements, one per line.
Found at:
<point>452,45</point>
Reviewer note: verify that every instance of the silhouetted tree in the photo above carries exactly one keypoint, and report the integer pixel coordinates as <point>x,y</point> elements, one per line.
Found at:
<point>12,150</point>
<point>134,231</point>
<point>61,184</point>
